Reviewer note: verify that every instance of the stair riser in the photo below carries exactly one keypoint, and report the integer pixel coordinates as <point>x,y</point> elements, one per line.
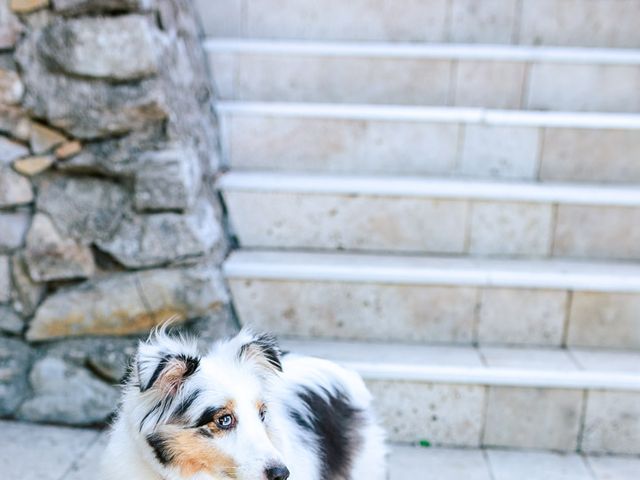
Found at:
<point>372,311</point>
<point>271,142</point>
<point>536,22</point>
<point>433,226</point>
<point>299,77</point>
<point>496,416</point>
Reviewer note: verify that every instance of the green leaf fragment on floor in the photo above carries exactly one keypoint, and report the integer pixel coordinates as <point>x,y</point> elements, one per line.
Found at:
<point>425,443</point>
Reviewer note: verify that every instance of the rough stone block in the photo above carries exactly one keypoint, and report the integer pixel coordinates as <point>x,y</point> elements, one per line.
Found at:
<point>128,303</point>
<point>359,312</point>
<point>83,208</point>
<point>164,238</point>
<point>44,139</point>
<point>14,188</point>
<point>10,27</point>
<point>10,321</point>
<point>597,232</point>
<point>15,122</point>
<point>167,180</point>
<point>500,152</point>
<point>68,150</point>
<point>533,418</point>
<point>10,150</point>
<point>31,166</point>
<point>511,229</point>
<point>87,109</point>
<point>14,226</point>
<point>76,7</point>
<point>352,222</point>
<point>604,320</point>
<point>65,393</point>
<point>28,6</point>
<point>11,87</point>
<point>612,423</point>
<point>50,256</point>
<point>26,294</point>
<point>126,47</point>
<point>522,317</point>
<point>441,414</point>
<point>15,359</point>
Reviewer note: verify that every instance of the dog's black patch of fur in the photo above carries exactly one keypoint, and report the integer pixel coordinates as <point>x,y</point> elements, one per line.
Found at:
<point>184,405</point>
<point>268,346</point>
<point>335,423</point>
<point>159,446</point>
<point>207,416</point>
<point>192,364</point>
<point>156,373</point>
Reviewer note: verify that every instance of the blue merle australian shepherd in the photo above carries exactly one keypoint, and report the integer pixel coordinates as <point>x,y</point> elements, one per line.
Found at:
<point>243,411</point>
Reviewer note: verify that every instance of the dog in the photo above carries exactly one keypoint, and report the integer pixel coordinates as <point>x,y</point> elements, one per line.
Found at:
<point>243,410</point>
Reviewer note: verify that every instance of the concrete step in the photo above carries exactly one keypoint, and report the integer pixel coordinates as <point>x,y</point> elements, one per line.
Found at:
<point>374,139</point>
<point>432,216</point>
<point>477,464</point>
<point>41,452</point>
<point>602,23</point>
<point>498,397</point>
<point>492,76</point>
<point>445,300</point>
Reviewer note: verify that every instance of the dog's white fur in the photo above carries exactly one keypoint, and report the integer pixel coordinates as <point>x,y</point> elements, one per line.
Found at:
<point>244,373</point>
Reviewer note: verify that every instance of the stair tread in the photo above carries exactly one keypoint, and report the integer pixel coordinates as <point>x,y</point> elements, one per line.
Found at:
<point>489,464</point>
<point>522,53</point>
<point>574,368</point>
<point>485,116</point>
<point>415,186</point>
<point>423,270</point>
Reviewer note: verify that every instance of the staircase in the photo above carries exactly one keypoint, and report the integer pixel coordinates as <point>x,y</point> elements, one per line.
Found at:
<point>444,196</point>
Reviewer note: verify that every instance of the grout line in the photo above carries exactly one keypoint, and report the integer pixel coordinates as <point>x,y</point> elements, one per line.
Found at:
<point>453,82</point>
<point>487,460</point>
<point>583,419</point>
<point>526,87</point>
<point>553,229</point>
<point>542,139</point>
<point>82,455</point>
<point>587,463</point>
<point>518,22</point>
<point>477,311</point>
<point>567,319</point>
<point>485,418</point>
<point>448,22</point>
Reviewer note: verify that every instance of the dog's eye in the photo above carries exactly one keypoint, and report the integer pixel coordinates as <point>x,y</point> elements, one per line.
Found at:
<point>263,413</point>
<point>226,422</point>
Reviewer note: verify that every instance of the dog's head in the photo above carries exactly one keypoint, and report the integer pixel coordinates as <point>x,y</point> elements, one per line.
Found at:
<point>206,416</point>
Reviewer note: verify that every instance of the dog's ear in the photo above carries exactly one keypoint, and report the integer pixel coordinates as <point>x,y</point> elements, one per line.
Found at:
<point>164,363</point>
<point>261,349</point>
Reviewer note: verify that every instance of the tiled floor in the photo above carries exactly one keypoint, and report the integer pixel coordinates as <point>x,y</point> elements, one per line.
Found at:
<point>30,452</point>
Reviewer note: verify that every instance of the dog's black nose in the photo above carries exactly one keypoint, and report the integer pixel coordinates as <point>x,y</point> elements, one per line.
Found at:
<point>278,472</point>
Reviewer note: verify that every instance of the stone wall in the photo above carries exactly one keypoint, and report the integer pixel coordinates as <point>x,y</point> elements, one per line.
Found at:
<point>108,225</point>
